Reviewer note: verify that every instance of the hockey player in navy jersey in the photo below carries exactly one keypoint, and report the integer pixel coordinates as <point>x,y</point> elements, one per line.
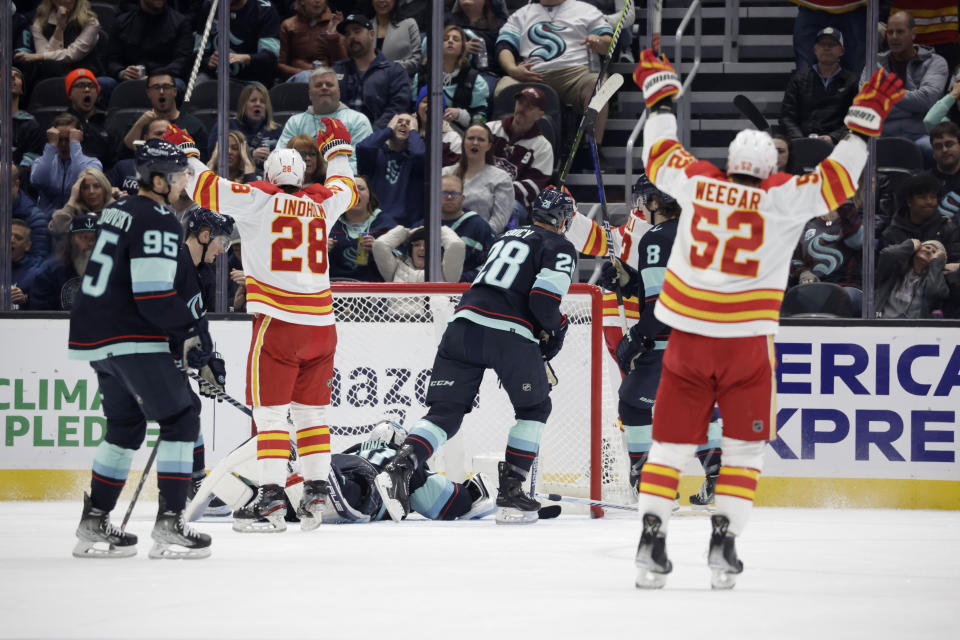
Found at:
<point>640,352</point>
<point>127,308</point>
<point>509,321</point>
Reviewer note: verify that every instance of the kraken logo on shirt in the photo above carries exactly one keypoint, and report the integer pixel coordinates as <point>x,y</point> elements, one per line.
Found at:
<point>195,305</point>
<point>549,44</point>
<point>393,171</point>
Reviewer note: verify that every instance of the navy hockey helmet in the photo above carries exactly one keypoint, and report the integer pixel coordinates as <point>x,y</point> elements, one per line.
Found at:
<point>218,223</point>
<point>553,206</point>
<point>643,190</point>
<point>159,156</point>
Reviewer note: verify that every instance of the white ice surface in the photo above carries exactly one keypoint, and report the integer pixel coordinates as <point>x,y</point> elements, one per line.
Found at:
<point>810,574</point>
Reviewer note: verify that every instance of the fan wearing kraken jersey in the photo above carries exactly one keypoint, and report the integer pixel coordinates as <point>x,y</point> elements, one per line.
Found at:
<point>721,294</point>
<point>290,366</point>
<point>509,321</point>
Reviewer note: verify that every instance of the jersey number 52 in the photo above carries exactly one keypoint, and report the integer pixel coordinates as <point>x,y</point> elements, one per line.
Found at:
<point>286,252</point>
<point>702,256</point>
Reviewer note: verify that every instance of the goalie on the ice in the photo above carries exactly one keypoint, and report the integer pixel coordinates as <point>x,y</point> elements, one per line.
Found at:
<point>351,494</point>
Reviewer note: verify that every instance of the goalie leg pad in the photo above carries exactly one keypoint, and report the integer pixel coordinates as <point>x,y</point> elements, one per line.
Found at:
<point>226,481</point>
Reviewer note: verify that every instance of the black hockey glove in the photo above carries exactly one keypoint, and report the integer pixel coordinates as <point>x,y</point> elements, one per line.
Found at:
<point>198,349</point>
<point>632,347</point>
<point>552,342</point>
<point>215,372</point>
<point>616,273</point>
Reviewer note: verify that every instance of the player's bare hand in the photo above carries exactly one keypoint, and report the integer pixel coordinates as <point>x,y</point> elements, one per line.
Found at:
<point>524,72</point>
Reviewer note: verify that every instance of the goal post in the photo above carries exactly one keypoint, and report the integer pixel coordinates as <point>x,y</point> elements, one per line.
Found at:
<point>387,337</point>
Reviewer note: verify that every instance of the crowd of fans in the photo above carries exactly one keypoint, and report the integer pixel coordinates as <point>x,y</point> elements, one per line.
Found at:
<point>92,81</point>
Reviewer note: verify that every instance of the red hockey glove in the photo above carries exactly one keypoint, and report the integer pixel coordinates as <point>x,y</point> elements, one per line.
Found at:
<point>177,136</point>
<point>873,104</point>
<point>333,139</point>
<point>656,77</point>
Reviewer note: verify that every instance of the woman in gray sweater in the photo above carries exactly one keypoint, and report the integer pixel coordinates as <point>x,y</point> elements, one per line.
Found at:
<point>487,189</point>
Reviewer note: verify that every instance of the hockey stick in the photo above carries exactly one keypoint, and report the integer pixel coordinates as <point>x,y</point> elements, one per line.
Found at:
<point>657,24</point>
<point>215,390</point>
<point>556,497</point>
<point>751,112</point>
<point>143,477</point>
<point>203,45</point>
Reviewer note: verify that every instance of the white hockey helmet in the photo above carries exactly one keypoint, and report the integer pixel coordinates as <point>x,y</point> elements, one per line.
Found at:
<point>752,153</point>
<point>284,167</point>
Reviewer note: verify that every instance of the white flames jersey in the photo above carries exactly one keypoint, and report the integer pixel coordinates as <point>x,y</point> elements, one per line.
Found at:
<point>284,238</point>
<point>731,257</point>
<point>589,238</point>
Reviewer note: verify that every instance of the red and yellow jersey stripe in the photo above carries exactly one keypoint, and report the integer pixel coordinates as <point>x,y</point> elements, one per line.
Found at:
<point>659,153</point>
<point>738,482</point>
<point>313,440</point>
<point>835,183</point>
<point>631,306</point>
<point>300,303</point>
<point>273,444</point>
<point>713,306</point>
<point>206,192</point>
<point>596,244</point>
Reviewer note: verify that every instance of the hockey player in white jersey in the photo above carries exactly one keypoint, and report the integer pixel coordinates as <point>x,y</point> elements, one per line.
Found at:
<point>284,228</point>
<point>721,294</point>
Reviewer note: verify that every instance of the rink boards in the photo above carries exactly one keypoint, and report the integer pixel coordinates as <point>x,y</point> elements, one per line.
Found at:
<point>867,415</point>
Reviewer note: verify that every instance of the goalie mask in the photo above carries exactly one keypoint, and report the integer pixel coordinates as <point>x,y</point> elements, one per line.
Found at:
<point>285,167</point>
<point>752,153</point>
<point>389,432</point>
<point>553,206</point>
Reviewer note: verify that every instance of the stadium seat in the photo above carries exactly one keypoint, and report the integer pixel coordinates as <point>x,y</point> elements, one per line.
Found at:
<point>205,95</point>
<point>106,14</point>
<point>130,94</point>
<point>45,116</point>
<point>816,300</point>
<point>290,96</point>
<point>49,92</point>
<point>898,155</point>
<point>807,153</point>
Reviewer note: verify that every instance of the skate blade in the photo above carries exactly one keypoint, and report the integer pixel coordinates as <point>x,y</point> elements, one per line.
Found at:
<point>311,518</point>
<point>649,579</point>
<point>166,551</point>
<point>89,549</point>
<point>273,523</point>
<point>481,509</point>
<point>510,515</point>
<point>393,506</point>
<point>721,579</point>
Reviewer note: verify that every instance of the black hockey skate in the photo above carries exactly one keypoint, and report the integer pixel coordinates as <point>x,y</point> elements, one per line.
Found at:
<point>99,538</point>
<point>265,513</point>
<point>725,566</point>
<point>706,495</point>
<point>312,504</point>
<point>393,483</point>
<point>173,539</point>
<point>652,562</point>
<point>515,506</point>
<point>483,503</point>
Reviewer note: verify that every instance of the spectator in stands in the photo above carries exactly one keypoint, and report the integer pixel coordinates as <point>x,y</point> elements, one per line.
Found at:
<point>369,83</point>
<point>316,170</point>
<point>476,234</point>
<point>410,265</point>
<point>580,31</point>
<point>27,135</point>
<point>816,99</point>
<point>325,102</point>
<point>123,175</point>
<point>939,21</point>
<point>58,279</point>
<point>782,143</point>
<point>466,92</point>
<point>151,36</point>
<point>920,219</point>
<point>350,241</point>
<point>452,141</point>
<point>308,36</point>
<point>25,209</point>
<point>254,41</point>
<point>162,93</point>
<point>910,282</point>
<point>831,248</point>
<point>814,15</point>
<point>23,264</point>
<point>239,163</point>
<point>611,12</point>
<point>395,157</point>
<point>520,148</point>
<point>255,121</point>
<point>91,193</point>
<point>481,21</point>
<point>945,109</point>
<point>55,171</point>
<point>945,140</point>
<point>397,38</point>
<point>924,76</point>
<point>82,91</point>
<point>64,36</point>
<point>488,190</point>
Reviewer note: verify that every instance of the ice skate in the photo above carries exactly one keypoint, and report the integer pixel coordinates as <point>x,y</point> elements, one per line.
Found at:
<point>265,513</point>
<point>705,497</point>
<point>652,562</point>
<point>312,504</point>
<point>483,503</point>
<point>99,538</point>
<point>393,483</point>
<point>173,539</point>
<point>725,566</point>
<point>515,506</point>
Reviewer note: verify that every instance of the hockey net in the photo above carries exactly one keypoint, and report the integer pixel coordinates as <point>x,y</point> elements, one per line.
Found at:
<point>387,336</point>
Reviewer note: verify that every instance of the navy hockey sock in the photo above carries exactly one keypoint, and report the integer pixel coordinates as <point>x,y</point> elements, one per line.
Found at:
<point>199,459</point>
<point>111,464</point>
<point>174,462</point>
<point>523,443</point>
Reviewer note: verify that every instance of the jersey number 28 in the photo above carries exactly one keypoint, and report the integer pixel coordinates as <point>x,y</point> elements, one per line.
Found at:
<point>290,230</point>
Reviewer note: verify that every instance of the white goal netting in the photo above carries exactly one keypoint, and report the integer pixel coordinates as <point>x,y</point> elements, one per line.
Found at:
<point>387,335</point>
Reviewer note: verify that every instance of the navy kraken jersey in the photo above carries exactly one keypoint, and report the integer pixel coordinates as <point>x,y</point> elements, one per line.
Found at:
<point>653,251</point>
<point>519,288</point>
<point>128,300</point>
